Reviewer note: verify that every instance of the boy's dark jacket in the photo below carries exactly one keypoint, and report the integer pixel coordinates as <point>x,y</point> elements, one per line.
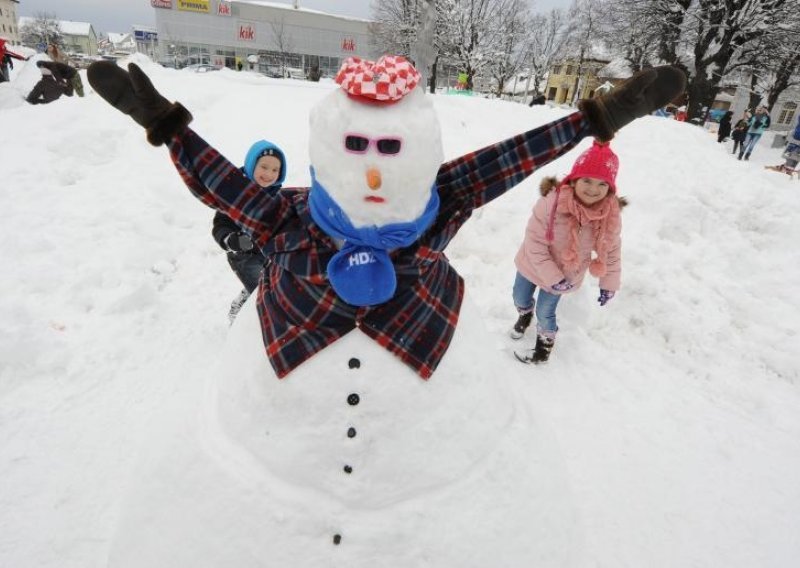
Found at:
<point>45,91</point>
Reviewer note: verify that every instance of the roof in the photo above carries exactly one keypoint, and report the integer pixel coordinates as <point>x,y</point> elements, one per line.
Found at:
<point>67,27</point>
<point>118,38</point>
<point>291,8</point>
<point>617,69</point>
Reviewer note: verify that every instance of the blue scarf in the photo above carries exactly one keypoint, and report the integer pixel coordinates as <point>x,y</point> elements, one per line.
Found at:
<point>361,273</point>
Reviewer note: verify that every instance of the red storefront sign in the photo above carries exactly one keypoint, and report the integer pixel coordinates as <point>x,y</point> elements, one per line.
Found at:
<point>348,44</point>
<point>161,3</point>
<point>246,31</point>
<point>223,8</point>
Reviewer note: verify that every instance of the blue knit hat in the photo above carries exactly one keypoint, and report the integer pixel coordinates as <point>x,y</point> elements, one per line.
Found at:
<point>256,152</point>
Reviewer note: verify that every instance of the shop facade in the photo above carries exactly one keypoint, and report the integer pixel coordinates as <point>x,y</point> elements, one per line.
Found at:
<point>257,35</point>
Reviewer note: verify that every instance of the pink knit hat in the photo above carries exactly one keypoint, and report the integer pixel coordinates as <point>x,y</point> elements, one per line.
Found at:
<point>598,162</point>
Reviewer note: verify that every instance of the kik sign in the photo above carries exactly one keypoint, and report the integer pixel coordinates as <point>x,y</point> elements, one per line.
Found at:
<point>223,8</point>
<point>161,4</point>
<point>246,31</point>
<point>348,44</point>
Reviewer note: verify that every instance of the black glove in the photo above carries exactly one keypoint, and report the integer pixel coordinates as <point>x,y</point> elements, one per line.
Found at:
<point>132,92</point>
<point>644,92</point>
<point>238,242</point>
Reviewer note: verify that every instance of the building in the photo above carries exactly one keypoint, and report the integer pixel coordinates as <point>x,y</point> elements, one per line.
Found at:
<point>261,35</point>
<point>785,111</point>
<point>590,76</point>
<point>9,27</point>
<point>146,40</point>
<point>77,37</point>
<point>117,44</point>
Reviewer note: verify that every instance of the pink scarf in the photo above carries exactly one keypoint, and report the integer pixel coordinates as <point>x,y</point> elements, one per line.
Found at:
<point>602,217</point>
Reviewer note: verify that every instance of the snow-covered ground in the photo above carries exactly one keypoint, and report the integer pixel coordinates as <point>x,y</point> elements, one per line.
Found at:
<point>676,406</point>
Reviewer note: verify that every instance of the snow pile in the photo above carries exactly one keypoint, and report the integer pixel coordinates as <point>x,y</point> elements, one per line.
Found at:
<point>675,406</point>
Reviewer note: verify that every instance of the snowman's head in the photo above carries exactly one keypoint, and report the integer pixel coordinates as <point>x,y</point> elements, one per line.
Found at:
<point>377,154</point>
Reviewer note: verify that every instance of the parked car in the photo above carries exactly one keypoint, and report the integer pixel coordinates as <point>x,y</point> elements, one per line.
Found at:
<point>294,73</point>
<point>201,68</point>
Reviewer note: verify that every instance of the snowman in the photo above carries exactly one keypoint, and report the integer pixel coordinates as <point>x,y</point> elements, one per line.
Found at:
<point>359,416</point>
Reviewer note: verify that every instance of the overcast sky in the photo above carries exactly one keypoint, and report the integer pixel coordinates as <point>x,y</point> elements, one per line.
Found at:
<point>120,15</point>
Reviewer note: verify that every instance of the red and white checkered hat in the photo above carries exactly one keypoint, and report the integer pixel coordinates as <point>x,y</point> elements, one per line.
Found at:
<point>386,80</point>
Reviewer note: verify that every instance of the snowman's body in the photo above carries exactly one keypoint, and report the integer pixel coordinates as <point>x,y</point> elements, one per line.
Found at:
<point>450,472</point>
<point>353,459</point>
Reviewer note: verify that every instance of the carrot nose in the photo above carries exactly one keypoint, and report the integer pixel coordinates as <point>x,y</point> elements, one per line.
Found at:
<point>374,178</point>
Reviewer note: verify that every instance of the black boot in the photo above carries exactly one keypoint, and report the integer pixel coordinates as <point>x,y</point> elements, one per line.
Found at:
<point>747,156</point>
<point>740,155</point>
<point>646,91</point>
<point>540,353</point>
<point>132,93</point>
<point>523,322</point>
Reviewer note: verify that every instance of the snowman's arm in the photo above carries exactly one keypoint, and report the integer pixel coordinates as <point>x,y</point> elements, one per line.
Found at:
<point>222,186</point>
<point>475,179</point>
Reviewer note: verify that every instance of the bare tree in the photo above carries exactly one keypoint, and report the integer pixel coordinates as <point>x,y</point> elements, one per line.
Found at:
<point>282,41</point>
<point>631,28</point>
<point>471,33</point>
<point>424,52</point>
<point>395,25</point>
<point>43,29</point>
<point>584,34</point>
<point>511,51</point>
<point>546,40</point>
<point>773,60</point>
<point>718,31</point>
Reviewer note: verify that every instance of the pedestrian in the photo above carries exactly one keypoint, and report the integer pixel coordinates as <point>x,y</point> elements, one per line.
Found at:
<point>65,74</point>
<point>791,153</point>
<point>46,90</point>
<point>264,164</point>
<point>724,126</point>
<point>756,126</point>
<point>55,54</point>
<point>570,225</point>
<point>740,131</point>
<point>537,100</point>
<point>6,63</point>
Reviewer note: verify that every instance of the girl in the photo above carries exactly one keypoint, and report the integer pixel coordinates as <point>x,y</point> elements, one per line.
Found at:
<point>580,217</point>
<point>740,131</point>
<point>264,164</point>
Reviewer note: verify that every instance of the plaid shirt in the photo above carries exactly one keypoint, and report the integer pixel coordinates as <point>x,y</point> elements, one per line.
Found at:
<point>299,311</point>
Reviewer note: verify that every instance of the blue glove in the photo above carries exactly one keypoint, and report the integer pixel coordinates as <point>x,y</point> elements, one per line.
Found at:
<point>605,296</point>
<point>563,286</point>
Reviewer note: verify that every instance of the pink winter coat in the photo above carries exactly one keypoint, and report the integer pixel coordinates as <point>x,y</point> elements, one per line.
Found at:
<point>541,261</point>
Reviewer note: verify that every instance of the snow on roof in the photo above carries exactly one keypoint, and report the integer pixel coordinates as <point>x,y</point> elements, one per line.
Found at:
<point>75,28</point>
<point>67,27</point>
<point>616,69</point>
<point>118,38</point>
<point>300,9</point>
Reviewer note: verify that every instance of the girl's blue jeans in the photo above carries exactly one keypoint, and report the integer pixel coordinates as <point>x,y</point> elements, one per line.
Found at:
<point>750,143</point>
<point>545,305</point>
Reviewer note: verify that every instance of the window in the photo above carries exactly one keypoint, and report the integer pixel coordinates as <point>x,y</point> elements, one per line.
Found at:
<point>787,113</point>
<point>556,69</point>
<point>569,70</point>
